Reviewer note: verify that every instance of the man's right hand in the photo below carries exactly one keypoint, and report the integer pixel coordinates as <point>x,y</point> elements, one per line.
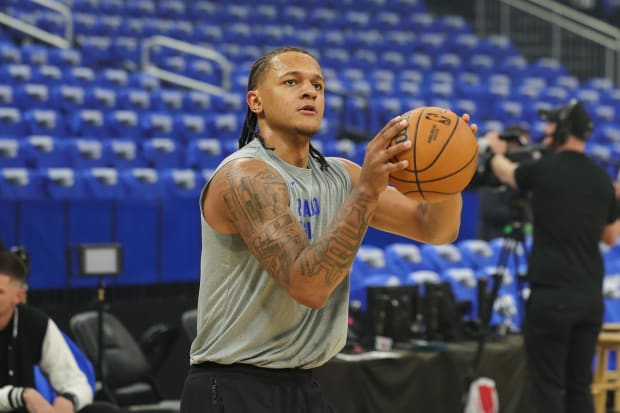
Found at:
<point>35,402</point>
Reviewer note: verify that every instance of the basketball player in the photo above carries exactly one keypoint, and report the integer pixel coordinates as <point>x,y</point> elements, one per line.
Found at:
<point>281,225</point>
<point>573,206</point>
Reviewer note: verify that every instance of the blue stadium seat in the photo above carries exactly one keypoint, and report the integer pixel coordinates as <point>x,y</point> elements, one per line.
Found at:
<point>124,124</point>
<point>46,152</point>
<point>103,183</point>
<point>45,122</point>
<point>80,76</point>
<point>88,122</point>
<point>157,124</point>
<point>112,78</point>
<point>144,81</point>
<point>163,153</point>
<point>204,153</point>
<point>67,98</point>
<point>34,54</point>
<point>125,154</point>
<point>142,183</point>
<point>12,153</point>
<point>20,184</point>
<point>167,100</point>
<point>196,102</point>
<point>9,54</point>
<point>15,73</point>
<point>223,126</point>
<point>64,57</point>
<point>64,183</point>
<point>477,253</point>
<point>442,257</point>
<point>7,95</point>
<point>48,75</point>
<point>188,127</point>
<point>133,99</point>
<point>99,98</point>
<point>403,258</point>
<point>87,153</point>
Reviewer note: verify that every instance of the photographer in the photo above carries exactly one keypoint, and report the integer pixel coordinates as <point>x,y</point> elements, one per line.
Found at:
<point>499,204</point>
<point>573,207</point>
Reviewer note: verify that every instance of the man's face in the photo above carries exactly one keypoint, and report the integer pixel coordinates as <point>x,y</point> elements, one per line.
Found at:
<point>11,293</point>
<point>291,95</point>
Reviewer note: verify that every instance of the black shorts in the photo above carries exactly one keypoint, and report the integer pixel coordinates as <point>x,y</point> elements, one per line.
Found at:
<point>239,388</point>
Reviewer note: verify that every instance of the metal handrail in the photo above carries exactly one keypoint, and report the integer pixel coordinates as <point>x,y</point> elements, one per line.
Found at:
<point>569,19</point>
<point>183,80</point>
<point>41,34</point>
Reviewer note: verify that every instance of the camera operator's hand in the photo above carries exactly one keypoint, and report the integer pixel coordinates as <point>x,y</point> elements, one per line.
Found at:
<point>496,145</point>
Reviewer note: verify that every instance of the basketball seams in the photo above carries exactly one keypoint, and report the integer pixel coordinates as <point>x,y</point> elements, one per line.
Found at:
<point>415,158</point>
<point>443,148</point>
<point>418,182</point>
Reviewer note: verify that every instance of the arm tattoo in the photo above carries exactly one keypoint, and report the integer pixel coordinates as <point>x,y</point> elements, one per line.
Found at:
<point>333,254</point>
<point>259,205</point>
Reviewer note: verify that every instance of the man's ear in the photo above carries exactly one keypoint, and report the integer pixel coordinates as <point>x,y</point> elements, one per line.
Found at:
<point>254,101</point>
<point>20,296</point>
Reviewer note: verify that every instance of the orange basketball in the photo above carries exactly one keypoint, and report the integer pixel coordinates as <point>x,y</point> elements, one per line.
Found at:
<point>443,155</point>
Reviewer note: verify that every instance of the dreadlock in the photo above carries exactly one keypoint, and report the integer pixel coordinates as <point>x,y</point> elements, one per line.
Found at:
<point>251,119</point>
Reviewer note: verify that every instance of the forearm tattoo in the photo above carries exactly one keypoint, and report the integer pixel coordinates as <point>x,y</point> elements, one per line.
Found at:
<point>333,254</point>
<point>259,206</point>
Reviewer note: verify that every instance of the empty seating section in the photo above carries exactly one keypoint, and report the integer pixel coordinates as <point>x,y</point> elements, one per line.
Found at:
<point>86,136</point>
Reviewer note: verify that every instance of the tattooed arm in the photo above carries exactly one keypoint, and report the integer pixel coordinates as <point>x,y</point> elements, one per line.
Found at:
<point>250,198</point>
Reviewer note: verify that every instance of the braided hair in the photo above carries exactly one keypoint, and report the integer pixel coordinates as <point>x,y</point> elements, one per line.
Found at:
<point>251,119</point>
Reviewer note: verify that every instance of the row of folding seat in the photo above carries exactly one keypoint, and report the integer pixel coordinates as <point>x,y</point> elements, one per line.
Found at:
<point>101,183</point>
<point>182,126</point>
<point>69,97</point>
<point>40,152</point>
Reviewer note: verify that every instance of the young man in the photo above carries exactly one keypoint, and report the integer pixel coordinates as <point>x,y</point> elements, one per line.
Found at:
<point>27,338</point>
<point>281,226</point>
<point>573,205</point>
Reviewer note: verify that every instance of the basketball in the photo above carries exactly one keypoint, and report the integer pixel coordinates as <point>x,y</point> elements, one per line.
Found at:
<point>443,155</point>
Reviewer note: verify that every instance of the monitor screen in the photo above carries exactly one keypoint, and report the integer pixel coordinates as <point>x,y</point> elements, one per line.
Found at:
<point>392,311</point>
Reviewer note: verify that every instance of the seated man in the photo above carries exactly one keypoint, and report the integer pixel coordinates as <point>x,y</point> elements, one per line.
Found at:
<point>29,337</point>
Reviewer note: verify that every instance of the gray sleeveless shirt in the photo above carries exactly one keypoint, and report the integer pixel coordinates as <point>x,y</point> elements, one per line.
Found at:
<point>244,316</point>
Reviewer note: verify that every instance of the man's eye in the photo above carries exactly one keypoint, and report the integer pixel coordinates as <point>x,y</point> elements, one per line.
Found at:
<point>290,82</point>
<point>318,86</point>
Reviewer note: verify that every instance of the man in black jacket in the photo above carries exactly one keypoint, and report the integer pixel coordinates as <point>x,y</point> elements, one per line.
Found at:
<point>574,207</point>
<point>28,337</point>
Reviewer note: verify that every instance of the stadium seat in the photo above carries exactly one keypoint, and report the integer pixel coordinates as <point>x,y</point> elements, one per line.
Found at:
<point>188,127</point>
<point>142,183</point>
<point>87,153</point>
<point>67,98</point>
<point>103,183</point>
<point>100,98</point>
<point>64,183</point>
<point>157,124</point>
<point>204,153</point>
<point>43,151</point>
<point>477,252</point>
<point>125,154</point>
<point>403,258</point>
<point>12,153</point>
<point>44,122</point>
<point>162,153</point>
<point>88,123</point>
<point>442,257</point>
<point>133,99</point>
<point>124,124</point>
<point>21,184</point>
